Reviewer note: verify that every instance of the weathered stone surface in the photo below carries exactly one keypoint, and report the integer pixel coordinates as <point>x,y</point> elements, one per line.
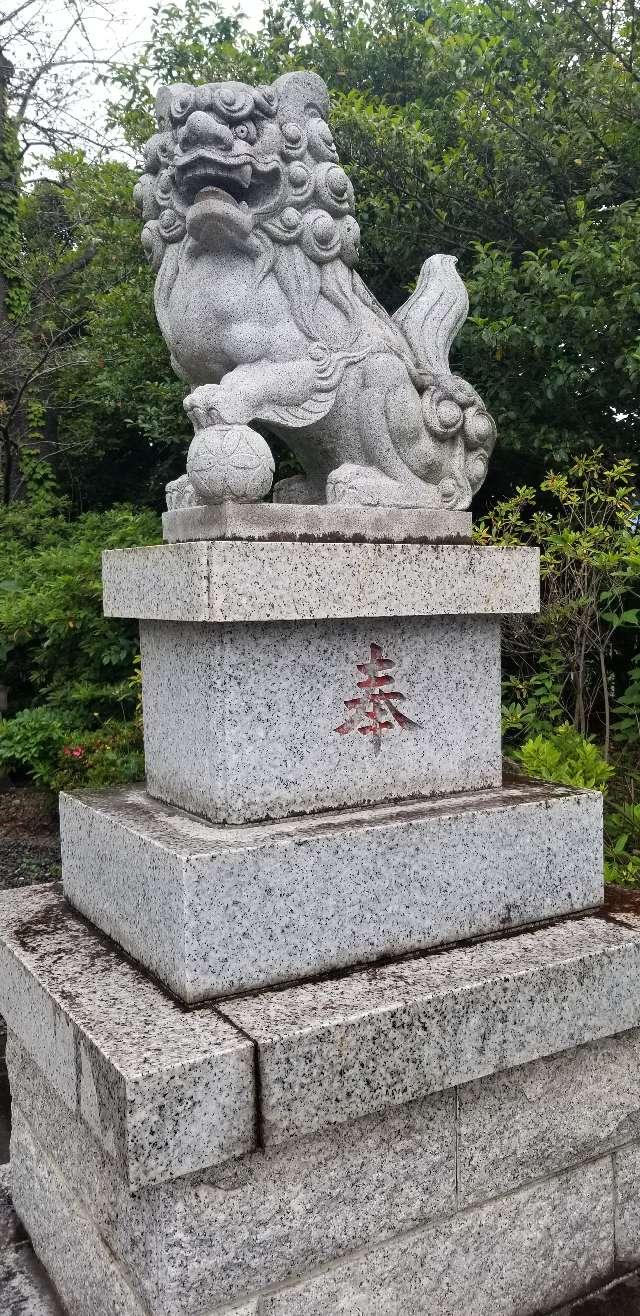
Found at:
<point>261,310</point>
<point>245,722</point>
<point>186,898</point>
<point>165,1091</point>
<point>315,523</point>
<point>627,1181</point>
<point>525,1123</point>
<point>334,1050</point>
<point>232,581</point>
<point>515,1257</point>
<point>24,1289</point>
<point>86,1275</point>
<point>11,1229</point>
<point>259,1220</point>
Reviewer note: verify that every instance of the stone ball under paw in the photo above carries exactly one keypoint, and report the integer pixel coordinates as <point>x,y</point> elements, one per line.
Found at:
<point>230,463</point>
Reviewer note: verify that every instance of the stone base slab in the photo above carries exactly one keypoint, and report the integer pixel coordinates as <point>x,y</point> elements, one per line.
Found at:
<point>165,1090</point>
<point>168,1091</point>
<point>316,523</point>
<point>393,1213</point>
<point>216,910</point>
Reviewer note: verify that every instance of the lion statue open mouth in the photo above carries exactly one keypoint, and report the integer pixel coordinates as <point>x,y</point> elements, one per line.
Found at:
<point>249,225</point>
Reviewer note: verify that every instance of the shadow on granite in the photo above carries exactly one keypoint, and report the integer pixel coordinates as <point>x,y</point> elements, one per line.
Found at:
<point>622,1298</point>
<point>24,1287</point>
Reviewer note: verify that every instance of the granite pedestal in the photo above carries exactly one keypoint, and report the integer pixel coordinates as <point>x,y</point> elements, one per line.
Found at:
<point>412,1080</point>
<point>252,654</point>
<point>459,1132</point>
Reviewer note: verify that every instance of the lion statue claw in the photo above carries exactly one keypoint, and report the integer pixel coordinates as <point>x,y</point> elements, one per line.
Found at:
<point>249,227</point>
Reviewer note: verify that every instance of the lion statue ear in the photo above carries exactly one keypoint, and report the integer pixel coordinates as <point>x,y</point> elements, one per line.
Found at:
<point>301,96</point>
<point>162,105</point>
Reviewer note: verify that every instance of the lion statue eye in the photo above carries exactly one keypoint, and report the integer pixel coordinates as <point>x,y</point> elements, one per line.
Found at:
<point>246,131</point>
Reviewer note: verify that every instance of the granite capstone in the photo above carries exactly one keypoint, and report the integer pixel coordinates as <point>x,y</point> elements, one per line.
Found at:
<point>186,898</point>
<point>223,581</point>
<point>334,1050</point>
<point>166,1091</point>
<point>241,721</point>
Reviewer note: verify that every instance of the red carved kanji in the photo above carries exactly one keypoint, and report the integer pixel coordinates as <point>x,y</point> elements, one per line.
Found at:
<point>376,711</point>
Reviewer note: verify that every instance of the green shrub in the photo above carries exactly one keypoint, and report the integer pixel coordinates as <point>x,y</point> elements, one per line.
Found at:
<point>38,743</point>
<point>566,757</point>
<point>572,662</point>
<point>31,742</point>
<point>72,673</point>
<point>571,690</point>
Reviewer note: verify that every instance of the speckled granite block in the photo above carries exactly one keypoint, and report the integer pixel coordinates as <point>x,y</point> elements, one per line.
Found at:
<point>258,1220</point>
<point>232,581</point>
<point>166,1091</point>
<point>335,1050</point>
<point>242,722</point>
<point>316,522</point>
<point>525,1123</point>
<point>516,1257</point>
<point>88,1277</point>
<point>626,1164</point>
<point>186,898</point>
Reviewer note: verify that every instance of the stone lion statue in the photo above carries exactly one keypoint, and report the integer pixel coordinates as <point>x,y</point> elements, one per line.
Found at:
<point>248,223</point>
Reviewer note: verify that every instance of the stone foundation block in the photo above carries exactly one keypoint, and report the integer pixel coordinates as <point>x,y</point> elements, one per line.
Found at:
<point>626,1163</point>
<point>170,1091</point>
<point>526,1123</point>
<point>204,1240</point>
<point>516,1256</point>
<point>371,1196</point>
<point>187,899</point>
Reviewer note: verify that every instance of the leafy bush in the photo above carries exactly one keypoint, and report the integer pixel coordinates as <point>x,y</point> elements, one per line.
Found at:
<point>565,757</point>
<point>71,673</point>
<point>571,692</point>
<point>31,742</point>
<point>573,659</point>
<point>41,744</point>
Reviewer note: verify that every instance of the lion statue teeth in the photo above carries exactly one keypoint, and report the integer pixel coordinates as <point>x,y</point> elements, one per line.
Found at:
<point>249,225</point>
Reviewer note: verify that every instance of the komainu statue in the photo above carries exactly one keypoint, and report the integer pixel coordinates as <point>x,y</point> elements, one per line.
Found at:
<point>249,225</point>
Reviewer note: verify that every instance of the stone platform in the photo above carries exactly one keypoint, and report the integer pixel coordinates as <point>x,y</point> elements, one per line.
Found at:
<point>245,721</point>
<point>213,910</point>
<point>457,1131</point>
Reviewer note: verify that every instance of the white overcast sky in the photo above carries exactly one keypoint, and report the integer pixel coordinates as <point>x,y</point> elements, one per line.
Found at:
<point>120,33</point>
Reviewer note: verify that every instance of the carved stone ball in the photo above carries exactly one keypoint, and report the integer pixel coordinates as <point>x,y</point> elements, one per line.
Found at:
<point>230,462</point>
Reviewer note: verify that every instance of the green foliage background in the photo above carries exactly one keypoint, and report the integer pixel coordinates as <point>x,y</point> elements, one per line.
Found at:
<point>505,133</point>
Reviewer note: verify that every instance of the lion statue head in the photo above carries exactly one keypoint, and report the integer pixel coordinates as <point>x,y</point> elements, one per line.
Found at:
<point>233,163</point>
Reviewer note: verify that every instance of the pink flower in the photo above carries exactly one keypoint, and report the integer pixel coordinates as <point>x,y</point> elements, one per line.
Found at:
<point>73,751</point>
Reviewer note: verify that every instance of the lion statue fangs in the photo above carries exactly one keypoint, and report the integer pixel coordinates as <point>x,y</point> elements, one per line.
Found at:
<point>249,226</point>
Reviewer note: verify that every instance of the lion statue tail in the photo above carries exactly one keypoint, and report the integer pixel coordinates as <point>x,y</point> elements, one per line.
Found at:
<point>434,314</point>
